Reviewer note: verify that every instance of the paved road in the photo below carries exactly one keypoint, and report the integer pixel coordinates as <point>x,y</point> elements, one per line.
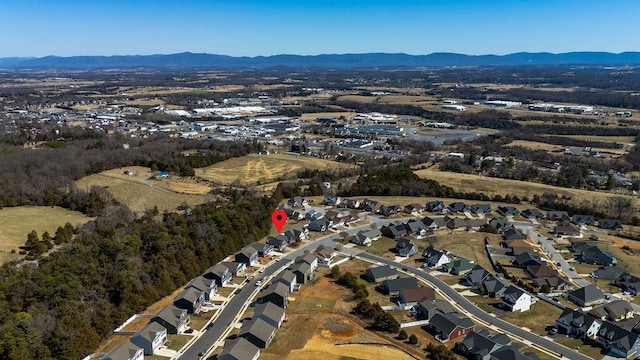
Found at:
<point>474,310</point>
<point>228,314</point>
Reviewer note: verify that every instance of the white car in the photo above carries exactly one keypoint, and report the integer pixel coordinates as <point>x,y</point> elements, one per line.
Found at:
<point>261,270</point>
<point>259,282</point>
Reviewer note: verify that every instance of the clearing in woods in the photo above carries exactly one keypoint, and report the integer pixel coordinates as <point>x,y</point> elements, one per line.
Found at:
<point>139,191</point>
<point>255,168</point>
<point>15,227</point>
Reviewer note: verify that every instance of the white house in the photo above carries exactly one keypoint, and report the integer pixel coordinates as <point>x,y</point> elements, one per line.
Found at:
<point>435,259</point>
<point>151,338</point>
<point>515,299</point>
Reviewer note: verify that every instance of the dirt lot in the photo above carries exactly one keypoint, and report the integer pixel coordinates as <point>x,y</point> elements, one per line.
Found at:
<point>255,168</point>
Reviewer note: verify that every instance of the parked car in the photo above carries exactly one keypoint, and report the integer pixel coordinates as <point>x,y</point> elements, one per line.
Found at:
<point>259,282</point>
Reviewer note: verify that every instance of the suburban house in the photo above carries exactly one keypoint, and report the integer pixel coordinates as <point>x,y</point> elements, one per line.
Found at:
<point>190,299</point>
<point>435,258</point>
<point>150,338</point>
<point>417,229</point>
<point>434,223</point>
<point>500,225</point>
<point>172,318</point>
<point>247,255</point>
<point>378,274</point>
<point>618,341</point>
<point>126,351</point>
<point>458,266</point>
<point>297,201</point>
<point>578,324</point>
<point>277,293</point>
<point>262,249</point>
<point>513,234</point>
<point>517,247</point>
<point>201,283</point>
<point>293,214</point>
<point>426,308</point>
<point>492,286</point>
<point>552,283</point>
<point>239,349</point>
<point>219,273</point>
<point>507,210</point>
<point>390,210</point>
<point>393,231</point>
<point>475,276</point>
<point>457,207</point>
<point>616,310</point>
<point>320,225</point>
<point>610,224</point>
<point>235,268</point>
<point>582,220</point>
<point>349,204</point>
<point>567,230</point>
<point>515,299</point>
<point>365,238</point>
<point>313,214</point>
<point>447,327</point>
<point>435,206</point>
<point>303,272</point>
<point>405,247</point>
<point>271,313</point>
<point>331,200</point>
<point>414,209</point>
<point>392,287</point>
<point>412,296</point>
<point>258,332</point>
<point>539,271</point>
<point>628,283</point>
<point>527,258</point>
<point>325,255</point>
<point>308,258</point>
<point>609,272</point>
<point>586,296</point>
<point>595,255</point>
<point>479,345</point>
<point>279,242</point>
<point>510,352</point>
<point>532,214</point>
<point>558,216</point>
<point>288,278</point>
<point>479,209</point>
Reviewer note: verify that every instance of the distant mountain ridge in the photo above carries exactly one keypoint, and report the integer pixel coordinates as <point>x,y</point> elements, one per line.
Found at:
<point>199,60</point>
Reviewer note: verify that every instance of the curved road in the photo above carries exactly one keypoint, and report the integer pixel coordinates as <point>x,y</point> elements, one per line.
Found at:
<point>230,312</point>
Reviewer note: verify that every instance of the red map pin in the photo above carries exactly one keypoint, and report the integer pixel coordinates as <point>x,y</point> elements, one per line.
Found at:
<point>279,218</point>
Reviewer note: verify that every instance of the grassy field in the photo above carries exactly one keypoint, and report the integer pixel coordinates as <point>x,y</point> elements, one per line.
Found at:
<point>254,168</point>
<point>140,192</point>
<point>493,186</point>
<point>611,139</point>
<point>14,229</point>
<point>534,145</point>
<point>313,116</point>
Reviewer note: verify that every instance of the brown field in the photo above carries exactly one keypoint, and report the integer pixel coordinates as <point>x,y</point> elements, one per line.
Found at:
<point>140,192</point>
<point>357,98</point>
<point>493,186</point>
<point>612,139</point>
<point>469,245</point>
<point>255,168</point>
<point>14,229</point>
<point>535,145</point>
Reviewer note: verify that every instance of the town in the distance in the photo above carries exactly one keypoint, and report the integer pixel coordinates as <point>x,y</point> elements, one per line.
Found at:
<point>432,212</point>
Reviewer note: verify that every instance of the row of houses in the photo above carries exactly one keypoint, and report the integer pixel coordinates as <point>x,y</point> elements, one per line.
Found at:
<point>483,282</point>
<point>614,326</point>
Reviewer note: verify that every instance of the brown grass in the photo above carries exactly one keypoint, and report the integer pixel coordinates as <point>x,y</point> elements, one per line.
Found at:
<point>493,186</point>
<point>255,168</point>
<point>140,192</point>
<point>17,222</point>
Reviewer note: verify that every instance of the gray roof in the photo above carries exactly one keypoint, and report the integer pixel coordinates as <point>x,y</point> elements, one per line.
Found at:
<point>248,251</point>
<point>615,334</point>
<point>514,292</point>
<point>400,283</point>
<point>482,343</point>
<point>511,353</point>
<point>287,277</point>
<point>218,269</point>
<point>123,351</point>
<point>270,310</point>
<point>576,319</point>
<point>446,323</point>
<point>278,288</point>
<point>190,294</point>
<point>202,283</point>
<point>588,293</point>
<point>610,272</point>
<point>378,272</point>
<point>238,349</point>
<point>171,314</point>
<point>441,305</point>
<point>258,328</point>
<point>492,284</point>
<point>302,267</point>
<point>612,310</point>
<point>477,274</point>
<point>149,331</point>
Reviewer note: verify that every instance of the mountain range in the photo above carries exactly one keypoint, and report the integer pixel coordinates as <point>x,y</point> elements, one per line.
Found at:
<point>199,60</point>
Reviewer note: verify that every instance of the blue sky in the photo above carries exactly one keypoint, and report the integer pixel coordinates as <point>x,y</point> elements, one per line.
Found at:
<point>268,27</point>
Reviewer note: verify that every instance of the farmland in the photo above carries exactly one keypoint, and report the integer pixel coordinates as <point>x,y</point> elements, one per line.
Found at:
<point>252,169</point>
